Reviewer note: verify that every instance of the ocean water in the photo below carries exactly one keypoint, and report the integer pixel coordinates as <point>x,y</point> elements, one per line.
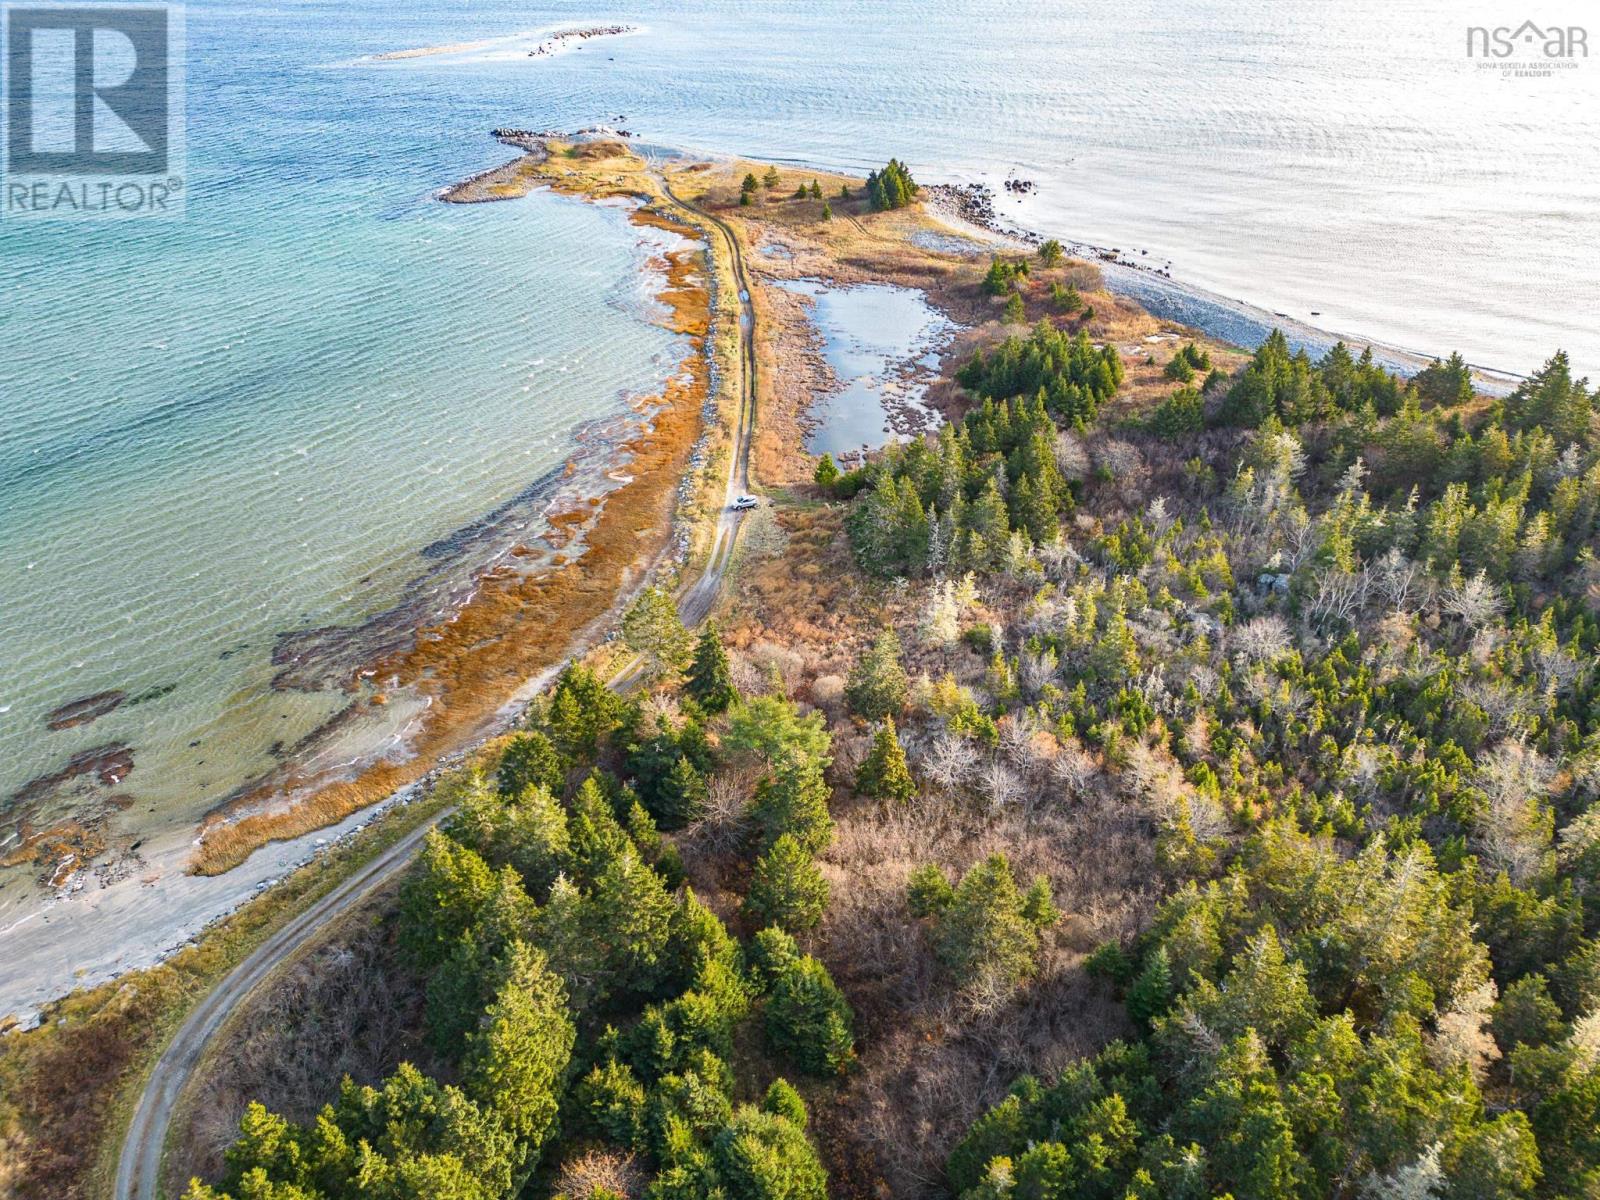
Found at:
<point>255,420</point>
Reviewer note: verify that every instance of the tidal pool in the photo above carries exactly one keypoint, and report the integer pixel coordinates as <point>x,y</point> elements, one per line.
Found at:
<point>882,342</point>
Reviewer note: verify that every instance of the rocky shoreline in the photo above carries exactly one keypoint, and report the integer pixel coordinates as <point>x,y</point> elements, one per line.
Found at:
<point>1154,288</point>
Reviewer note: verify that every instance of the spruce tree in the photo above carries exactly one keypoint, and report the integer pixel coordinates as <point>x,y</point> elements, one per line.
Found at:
<point>883,774</point>
<point>530,760</point>
<point>771,179</point>
<point>827,472</point>
<point>681,796</point>
<point>786,888</point>
<point>759,1156</point>
<point>877,684</point>
<point>793,800</point>
<point>1050,253</point>
<point>651,627</point>
<point>1015,313</point>
<point>709,681</point>
<point>515,1062</point>
<point>808,1019</point>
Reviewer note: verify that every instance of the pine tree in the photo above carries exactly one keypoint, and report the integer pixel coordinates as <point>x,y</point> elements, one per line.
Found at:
<point>771,179</point>
<point>827,473</point>
<point>749,185</point>
<point>1015,313</point>
<point>710,682</point>
<point>1050,253</point>
<point>883,774</point>
<point>827,211</point>
<point>786,888</point>
<point>816,190</point>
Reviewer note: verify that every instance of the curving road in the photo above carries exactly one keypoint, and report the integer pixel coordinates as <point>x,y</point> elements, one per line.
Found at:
<point>139,1166</point>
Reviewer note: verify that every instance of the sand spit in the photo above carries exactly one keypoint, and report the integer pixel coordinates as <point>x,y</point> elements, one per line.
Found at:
<point>548,46</point>
<point>515,624</point>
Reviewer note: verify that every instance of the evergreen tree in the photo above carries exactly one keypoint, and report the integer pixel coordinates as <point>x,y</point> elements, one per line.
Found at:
<point>582,712</point>
<point>1178,416</point>
<point>783,1101</point>
<point>1445,383</point>
<point>793,800</point>
<point>763,1156</point>
<point>808,1020</point>
<point>531,760</point>
<point>827,211</point>
<point>651,627</point>
<point>1050,254</point>
<point>709,681</point>
<point>441,899</point>
<point>681,797</point>
<point>515,1063</point>
<point>877,686</point>
<point>891,187</point>
<point>771,179</point>
<point>1015,313</point>
<point>987,931</point>
<point>786,888</point>
<point>827,473</point>
<point>883,774</point>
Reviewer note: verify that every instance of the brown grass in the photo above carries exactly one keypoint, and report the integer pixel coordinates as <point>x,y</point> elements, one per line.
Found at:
<point>67,1087</point>
<point>347,1008</point>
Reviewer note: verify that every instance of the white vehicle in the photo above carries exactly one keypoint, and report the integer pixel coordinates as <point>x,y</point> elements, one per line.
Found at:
<point>745,503</point>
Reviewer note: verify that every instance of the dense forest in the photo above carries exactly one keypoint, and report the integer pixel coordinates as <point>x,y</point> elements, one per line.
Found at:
<point>1324,633</point>
<point>1343,658</point>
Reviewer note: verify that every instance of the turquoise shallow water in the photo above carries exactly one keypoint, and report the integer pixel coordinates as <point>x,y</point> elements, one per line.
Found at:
<point>256,419</point>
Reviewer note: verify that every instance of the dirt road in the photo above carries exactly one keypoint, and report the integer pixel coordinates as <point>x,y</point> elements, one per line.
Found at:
<point>139,1167</point>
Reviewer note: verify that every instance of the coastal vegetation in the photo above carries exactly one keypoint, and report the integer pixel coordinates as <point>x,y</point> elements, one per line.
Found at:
<point>1164,781</point>
<point>582,998</point>
<point>891,187</point>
